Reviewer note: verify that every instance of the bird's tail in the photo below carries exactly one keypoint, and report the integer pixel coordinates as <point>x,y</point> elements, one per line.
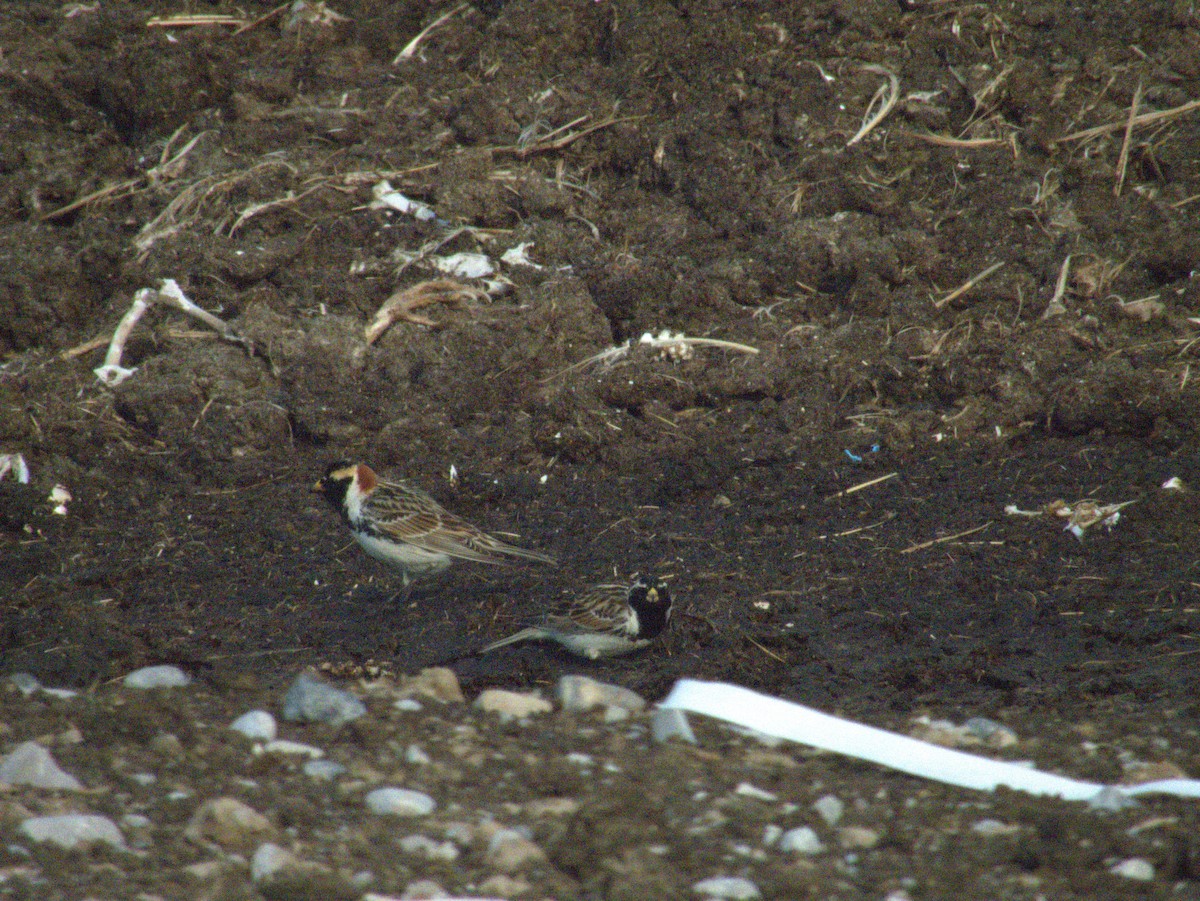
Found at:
<point>530,634</point>
<point>513,551</point>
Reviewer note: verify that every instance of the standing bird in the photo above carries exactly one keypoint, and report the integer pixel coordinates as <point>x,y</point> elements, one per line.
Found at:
<point>604,621</point>
<point>402,525</point>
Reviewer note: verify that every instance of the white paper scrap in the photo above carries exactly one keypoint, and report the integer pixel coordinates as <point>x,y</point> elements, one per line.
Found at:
<point>797,723</point>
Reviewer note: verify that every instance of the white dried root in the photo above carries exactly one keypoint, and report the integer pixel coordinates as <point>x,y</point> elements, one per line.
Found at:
<point>674,346</point>
<point>423,294</point>
<point>112,373</point>
<point>15,464</point>
<point>1080,516</point>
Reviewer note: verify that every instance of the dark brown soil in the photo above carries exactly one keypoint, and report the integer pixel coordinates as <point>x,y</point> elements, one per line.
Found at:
<point>673,165</point>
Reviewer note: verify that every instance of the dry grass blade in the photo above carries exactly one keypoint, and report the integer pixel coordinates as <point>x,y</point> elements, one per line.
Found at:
<point>861,486</point>
<point>967,285</point>
<point>954,537</point>
<point>410,49</point>
<point>549,142</point>
<point>423,294</point>
<point>1123,159</point>
<point>1056,307</point>
<point>1137,122</point>
<point>186,21</point>
<point>881,104</point>
<point>122,189</point>
<point>958,143</point>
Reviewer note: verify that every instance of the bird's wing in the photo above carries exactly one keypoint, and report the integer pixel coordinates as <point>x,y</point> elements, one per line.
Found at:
<point>600,608</point>
<point>410,515</point>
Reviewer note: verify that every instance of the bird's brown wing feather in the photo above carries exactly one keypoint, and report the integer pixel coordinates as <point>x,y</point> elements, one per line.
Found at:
<point>600,608</point>
<point>410,515</point>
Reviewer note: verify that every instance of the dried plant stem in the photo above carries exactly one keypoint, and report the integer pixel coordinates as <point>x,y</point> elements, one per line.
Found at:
<point>410,48</point>
<point>186,21</point>
<point>1056,307</point>
<point>967,285</point>
<point>882,103</point>
<point>962,143</point>
<point>1123,159</point>
<point>1138,122</point>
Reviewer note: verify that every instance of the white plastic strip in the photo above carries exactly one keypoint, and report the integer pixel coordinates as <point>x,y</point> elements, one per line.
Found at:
<point>783,719</point>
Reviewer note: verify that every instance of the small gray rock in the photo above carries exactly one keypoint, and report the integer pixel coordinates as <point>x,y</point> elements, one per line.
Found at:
<point>1137,868</point>
<point>509,852</point>
<point>515,704</point>
<point>256,725</point>
<point>734,888</point>
<point>26,683</point>
<point>279,874</point>
<point>429,848</point>
<point>157,677</point>
<point>830,809</point>
<point>310,700</point>
<point>229,823</point>
<point>671,723</point>
<point>579,693</point>
<point>73,830</point>
<point>31,764</point>
<point>1111,799</point>
<point>990,733</point>
<point>801,840</point>
<point>400,802</point>
<point>322,769</point>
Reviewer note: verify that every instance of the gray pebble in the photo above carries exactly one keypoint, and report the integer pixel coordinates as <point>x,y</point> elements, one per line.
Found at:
<point>310,700</point>
<point>25,683</point>
<point>733,887</point>
<point>671,723</point>
<point>429,848</point>
<point>509,852</point>
<point>322,769</point>
<point>31,764</point>
<point>830,809</point>
<point>1137,868</point>
<point>579,693</point>
<point>801,840</point>
<point>256,725</point>
<point>1110,798</point>
<point>73,830</point>
<point>157,677</point>
<point>400,802</point>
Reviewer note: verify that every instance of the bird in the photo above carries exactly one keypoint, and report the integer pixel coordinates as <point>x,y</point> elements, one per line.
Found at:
<point>603,621</point>
<point>400,524</point>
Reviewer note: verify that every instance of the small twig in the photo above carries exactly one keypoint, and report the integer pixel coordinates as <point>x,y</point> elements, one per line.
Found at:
<point>111,372</point>
<point>431,247</point>
<point>186,21</point>
<point>764,650</point>
<point>1056,307</point>
<point>861,486</point>
<point>967,285</point>
<point>543,145</point>
<point>92,198</point>
<point>254,23</point>
<point>674,345</point>
<point>410,48</point>
<point>80,349</point>
<point>1123,158</point>
<point>954,537</point>
<point>402,304</point>
<point>1138,121</point>
<point>960,143</point>
<point>882,103</point>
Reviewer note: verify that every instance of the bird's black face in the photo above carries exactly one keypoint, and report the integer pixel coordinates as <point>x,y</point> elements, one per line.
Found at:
<point>651,600</point>
<point>336,482</point>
